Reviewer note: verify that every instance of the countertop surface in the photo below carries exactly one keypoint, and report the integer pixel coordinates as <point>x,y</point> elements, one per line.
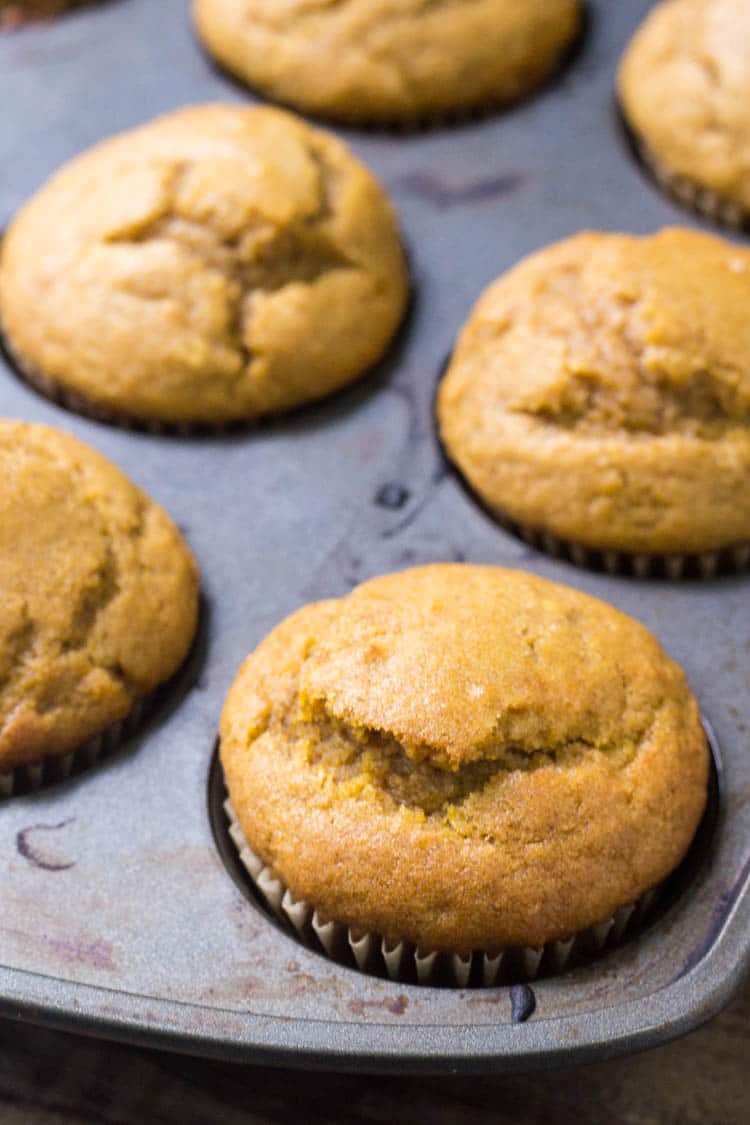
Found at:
<point>47,1078</point>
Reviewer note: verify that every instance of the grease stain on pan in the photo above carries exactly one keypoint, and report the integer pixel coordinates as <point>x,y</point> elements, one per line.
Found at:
<point>94,952</point>
<point>396,1007</point>
<point>431,189</point>
<point>33,845</point>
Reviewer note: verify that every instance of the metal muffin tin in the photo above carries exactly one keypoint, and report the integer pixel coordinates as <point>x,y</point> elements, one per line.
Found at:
<point>117,915</point>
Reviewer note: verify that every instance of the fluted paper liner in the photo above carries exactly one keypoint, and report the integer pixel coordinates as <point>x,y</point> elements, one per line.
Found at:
<point>37,775</point>
<point>701,200</point>
<point>640,564</point>
<point>404,961</point>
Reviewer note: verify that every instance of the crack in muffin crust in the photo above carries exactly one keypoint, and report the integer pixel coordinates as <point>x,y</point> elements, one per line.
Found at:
<point>99,599</point>
<point>519,758</point>
<point>229,263</point>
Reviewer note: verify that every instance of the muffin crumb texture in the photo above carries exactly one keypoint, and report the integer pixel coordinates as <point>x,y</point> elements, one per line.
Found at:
<point>520,758</point>
<point>99,600</point>
<point>600,390</point>
<point>212,266</point>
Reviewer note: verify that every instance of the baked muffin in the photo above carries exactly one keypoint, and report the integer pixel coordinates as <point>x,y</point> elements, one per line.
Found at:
<point>684,87</point>
<point>99,596</point>
<point>371,61</point>
<point>600,393</point>
<point>435,724</point>
<point>212,266</point>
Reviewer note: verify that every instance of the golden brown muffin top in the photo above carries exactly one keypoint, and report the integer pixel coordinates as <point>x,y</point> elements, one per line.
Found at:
<point>215,264</point>
<point>389,60</point>
<point>617,370</point>
<point>99,593</point>
<point>685,87</point>
<point>520,758</point>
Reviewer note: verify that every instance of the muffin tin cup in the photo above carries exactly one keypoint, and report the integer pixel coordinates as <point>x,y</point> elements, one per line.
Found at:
<point>641,564</point>
<point>33,776</point>
<point>406,962</point>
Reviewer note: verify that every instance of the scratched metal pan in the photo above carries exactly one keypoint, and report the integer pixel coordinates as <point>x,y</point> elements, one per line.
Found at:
<point>118,916</point>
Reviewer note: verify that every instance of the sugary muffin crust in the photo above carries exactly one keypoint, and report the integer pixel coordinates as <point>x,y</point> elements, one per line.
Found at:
<point>99,594</point>
<point>465,757</point>
<point>684,85</point>
<point>214,265</point>
<point>389,60</point>
<point>600,390</point>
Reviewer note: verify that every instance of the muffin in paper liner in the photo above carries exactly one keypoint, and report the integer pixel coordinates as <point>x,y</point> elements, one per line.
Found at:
<point>222,30</point>
<point>200,361</point>
<point>100,605</point>
<point>682,88</point>
<point>586,403</point>
<point>40,774</point>
<point>406,962</point>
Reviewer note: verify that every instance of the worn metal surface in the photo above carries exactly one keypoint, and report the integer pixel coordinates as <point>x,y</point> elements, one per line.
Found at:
<point>116,914</point>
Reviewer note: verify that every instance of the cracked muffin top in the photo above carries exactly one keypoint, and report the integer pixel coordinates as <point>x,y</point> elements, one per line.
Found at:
<point>389,60</point>
<point>684,85</point>
<point>214,265</point>
<point>520,758</point>
<point>99,594</point>
<point>600,391</point>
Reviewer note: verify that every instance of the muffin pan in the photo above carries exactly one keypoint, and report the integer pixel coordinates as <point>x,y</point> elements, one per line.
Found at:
<point>118,916</point>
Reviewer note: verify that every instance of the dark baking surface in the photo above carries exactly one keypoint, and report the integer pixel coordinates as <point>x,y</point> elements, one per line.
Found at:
<point>117,916</point>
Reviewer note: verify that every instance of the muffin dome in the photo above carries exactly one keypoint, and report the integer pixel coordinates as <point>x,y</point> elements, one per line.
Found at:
<point>99,594</point>
<point>389,60</point>
<point>519,758</point>
<point>685,89</point>
<point>214,265</point>
<point>600,391</point>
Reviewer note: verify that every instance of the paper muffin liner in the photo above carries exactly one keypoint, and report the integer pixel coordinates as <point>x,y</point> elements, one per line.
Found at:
<point>406,962</point>
<point>33,776</point>
<point>80,404</point>
<point>702,201</point>
<point>640,564</point>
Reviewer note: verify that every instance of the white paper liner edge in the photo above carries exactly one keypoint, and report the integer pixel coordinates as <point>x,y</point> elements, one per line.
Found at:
<point>405,960</point>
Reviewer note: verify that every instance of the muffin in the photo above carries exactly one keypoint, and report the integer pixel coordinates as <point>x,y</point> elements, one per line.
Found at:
<point>684,87</point>
<point>521,759</point>
<point>213,266</point>
<point>600,394</point>
<point>99,605</point>
<point>402,61</point>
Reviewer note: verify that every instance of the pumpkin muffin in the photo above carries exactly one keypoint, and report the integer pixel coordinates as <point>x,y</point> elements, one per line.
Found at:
<point>600,392</point>
<point>212,266</point>
<point>99,595</point>
<point>684,87</point>
<point>435,724</point>
<point>371,61</point>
